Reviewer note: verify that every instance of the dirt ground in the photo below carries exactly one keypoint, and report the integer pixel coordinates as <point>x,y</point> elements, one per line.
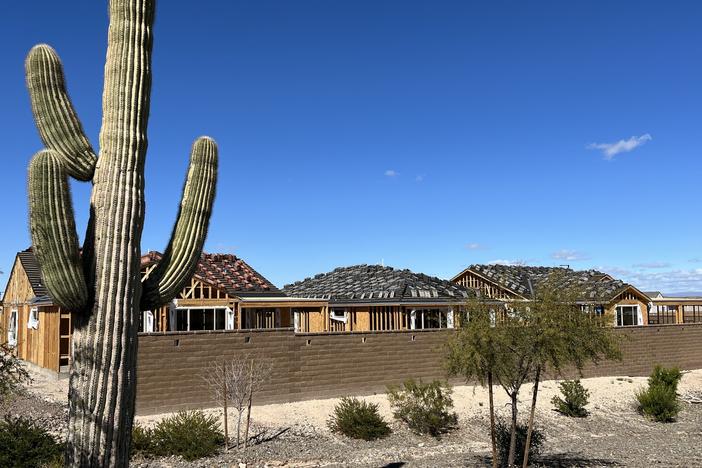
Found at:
<point>295,434</point>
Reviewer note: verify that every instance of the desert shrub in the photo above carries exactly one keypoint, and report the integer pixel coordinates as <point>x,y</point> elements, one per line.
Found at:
<point>143,441</point>
<point>190,434</point>
<point>23,443</point>
<point>659,401</point>
<point>358,419</point>
<point>503,434</point>
<point>575,398</point>
<point>424,407</point>
<point>667,377</point>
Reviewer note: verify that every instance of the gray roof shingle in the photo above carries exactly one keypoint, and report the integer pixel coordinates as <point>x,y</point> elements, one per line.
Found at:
<point>592,285</point>
<point>377,284</point>
<point>31,267</point>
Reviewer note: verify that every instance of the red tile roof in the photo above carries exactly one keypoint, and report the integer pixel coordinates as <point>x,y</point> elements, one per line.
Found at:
<point>227,272</point>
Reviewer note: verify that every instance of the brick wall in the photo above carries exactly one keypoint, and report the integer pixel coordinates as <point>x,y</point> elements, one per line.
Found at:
<point>309,366</point>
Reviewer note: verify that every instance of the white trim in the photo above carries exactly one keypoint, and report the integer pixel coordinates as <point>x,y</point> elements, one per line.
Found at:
<point>148,321</point>
<point>12,328</point>
<point>639,315</point>
<point>333,314</point>
<point>33,319</point>
<point>229,319</point>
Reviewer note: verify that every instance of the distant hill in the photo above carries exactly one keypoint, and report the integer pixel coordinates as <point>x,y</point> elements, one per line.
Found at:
<point>684,293</point>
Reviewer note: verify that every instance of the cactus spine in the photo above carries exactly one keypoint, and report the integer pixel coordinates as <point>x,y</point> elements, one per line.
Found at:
<point>102,285</point>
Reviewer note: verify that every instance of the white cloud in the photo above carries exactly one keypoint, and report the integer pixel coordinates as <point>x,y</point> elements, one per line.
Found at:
<point>651,265</point>
<point>474,246</point>
<point>501,261</point>
<point>391,173</point>
<point>569,255</point>
<point>419,178</point>
<point>610,150</point>
<point>670,281</point>
<point>696,260</point>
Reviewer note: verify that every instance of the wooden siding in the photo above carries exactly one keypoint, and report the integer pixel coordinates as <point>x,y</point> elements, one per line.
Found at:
<point>470,280</point>
<point>39,346</point>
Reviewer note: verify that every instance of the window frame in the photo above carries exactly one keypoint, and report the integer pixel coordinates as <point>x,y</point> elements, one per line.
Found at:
<point>13,328</point>
<point>619,319</point>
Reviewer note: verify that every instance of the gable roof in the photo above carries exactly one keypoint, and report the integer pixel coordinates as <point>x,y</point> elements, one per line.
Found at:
<point>228,273</point>
<point>375,283</point>
<point>592,285</point>
<point>31,268</point>
<point>225,271</point>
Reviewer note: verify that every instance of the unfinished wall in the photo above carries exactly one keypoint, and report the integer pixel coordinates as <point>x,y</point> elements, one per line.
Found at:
<point>309,366</point>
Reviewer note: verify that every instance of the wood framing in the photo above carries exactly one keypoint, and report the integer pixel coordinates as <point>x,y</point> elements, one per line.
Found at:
<point>40,333</point>
<point>622,303</point>
<point>224,294</point>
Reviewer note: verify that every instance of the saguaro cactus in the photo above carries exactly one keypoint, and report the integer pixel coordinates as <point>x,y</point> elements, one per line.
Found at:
<point>102,283</point>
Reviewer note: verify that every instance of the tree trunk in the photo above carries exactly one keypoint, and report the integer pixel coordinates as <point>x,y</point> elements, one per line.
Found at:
<point>248,409</point>
<point>534,396</point>
<point>513,433</point>
<point>492,420</point>
<point>224,404</point>
<point>248,421</point>
<point>238,430</point>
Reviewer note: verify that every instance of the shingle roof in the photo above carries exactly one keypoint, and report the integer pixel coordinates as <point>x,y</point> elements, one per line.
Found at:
<point>375,283</point>
<point>225,271</point>
<point>33,271</point>
<point>592,285</point>
<point>229,273</point>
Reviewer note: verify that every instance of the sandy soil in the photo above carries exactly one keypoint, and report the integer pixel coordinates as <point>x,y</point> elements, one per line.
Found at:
<point>295,434</point>
<point>607,395</point>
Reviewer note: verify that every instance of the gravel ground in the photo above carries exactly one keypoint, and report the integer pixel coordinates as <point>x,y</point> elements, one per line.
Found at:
<point>295,434</point>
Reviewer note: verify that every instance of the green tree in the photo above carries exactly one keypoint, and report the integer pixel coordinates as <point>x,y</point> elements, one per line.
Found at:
<point>561,333</point>
<point>517,342</point>
<point>476,352</point>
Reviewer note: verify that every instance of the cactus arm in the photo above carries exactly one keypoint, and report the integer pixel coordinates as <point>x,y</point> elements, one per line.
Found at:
<point>185,246</point>
<point>53,231</point>
<point>54,115</point>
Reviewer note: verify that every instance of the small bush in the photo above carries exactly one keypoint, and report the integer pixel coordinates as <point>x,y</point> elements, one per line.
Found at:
<point>23,443</point>
<point>503,434</point>
<point>575,398</point>
<point>143,442</point>
<point>190,434</point>
<point>358,419</point>
<point>667,377</point>
<point>659,401</point>
<point>424,407</point>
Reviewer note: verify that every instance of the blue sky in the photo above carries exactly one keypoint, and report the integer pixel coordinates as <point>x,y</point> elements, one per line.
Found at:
<point>425,135</point>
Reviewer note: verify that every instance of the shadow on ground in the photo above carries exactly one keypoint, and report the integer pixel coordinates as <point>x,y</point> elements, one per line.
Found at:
<point>564,460</point>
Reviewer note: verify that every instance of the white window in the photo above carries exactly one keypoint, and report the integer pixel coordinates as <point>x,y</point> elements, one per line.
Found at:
<point>33,321</point>
<point>12,330</point>
<point>430,318</point>
<point>628,316</point>
<point>198,318</point>
<point>148,322</point>
<point>296,319</point>
<point>230,319</point>
<point>339,315</point>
